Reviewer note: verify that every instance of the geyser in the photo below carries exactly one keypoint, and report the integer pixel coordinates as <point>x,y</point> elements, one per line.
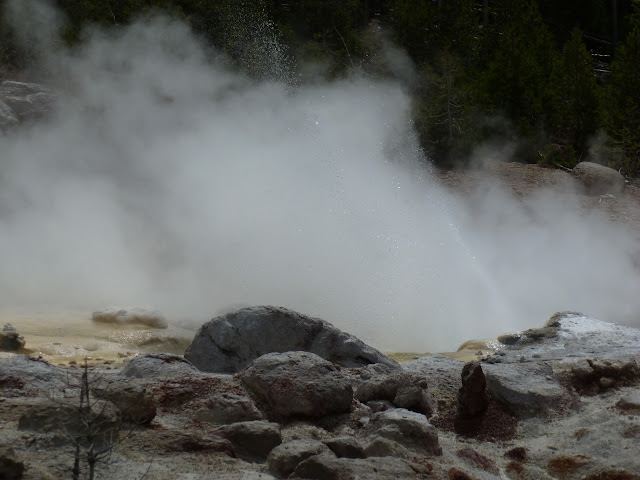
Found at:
<point>167,180</point>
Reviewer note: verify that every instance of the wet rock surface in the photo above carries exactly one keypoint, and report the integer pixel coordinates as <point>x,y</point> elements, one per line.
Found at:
<point>560,402</point>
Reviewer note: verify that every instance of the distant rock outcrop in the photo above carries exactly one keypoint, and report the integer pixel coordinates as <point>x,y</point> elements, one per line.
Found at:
<point>133,316</point>
<point>598,179</point>
<point>228,343</point>
<point>10,339</point>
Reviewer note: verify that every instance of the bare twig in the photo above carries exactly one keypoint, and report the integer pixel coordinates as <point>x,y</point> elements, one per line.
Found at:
<point>345,47</point>
<point>566,169</point>
<point>115,22</point>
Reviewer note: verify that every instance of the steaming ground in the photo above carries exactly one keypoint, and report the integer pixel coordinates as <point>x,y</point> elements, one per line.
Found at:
<point>171,182</point>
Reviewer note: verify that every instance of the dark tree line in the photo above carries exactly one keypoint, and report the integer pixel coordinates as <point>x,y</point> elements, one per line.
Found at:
<point>557,79</point>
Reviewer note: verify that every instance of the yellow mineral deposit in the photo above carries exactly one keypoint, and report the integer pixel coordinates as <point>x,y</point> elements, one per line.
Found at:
<point>68,338</point>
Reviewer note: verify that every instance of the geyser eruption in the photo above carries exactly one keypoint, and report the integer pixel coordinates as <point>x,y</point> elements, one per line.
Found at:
<point>165,179</point>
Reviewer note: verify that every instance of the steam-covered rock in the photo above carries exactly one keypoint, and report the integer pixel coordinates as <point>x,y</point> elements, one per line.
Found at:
<point>228,343</point>
<point>598,179</point>
<point>298,384</point>
<point>20,102</point>
<point>134,316</point>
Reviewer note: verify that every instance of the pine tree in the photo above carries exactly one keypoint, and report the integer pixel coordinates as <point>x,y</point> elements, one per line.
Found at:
<point>573,96</point>
<point>514,81</point>
<point>621,104</point>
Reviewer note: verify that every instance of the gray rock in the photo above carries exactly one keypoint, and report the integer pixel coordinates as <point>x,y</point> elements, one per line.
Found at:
<point>403,389</point>
<point>298,384</point>
<point>24,372</point>
<point>177,441</point>
<point>284,458</point>
<point>135,402</point>
<point>630,402</point>
<point>65,417</point>
<point>526,389</point>
<point>252,440</point>
<point>328,467</point>
<point>228,343</point>
<point>414,398</point>
<point>598,179</point>
<point>11,468</point>
<point>409,429</point>
<point>443,374</point>
<point>225,407</point>
<point>379,405</point>
<point>159,365</point>
<point>383,447</point>
<point>347,447</point>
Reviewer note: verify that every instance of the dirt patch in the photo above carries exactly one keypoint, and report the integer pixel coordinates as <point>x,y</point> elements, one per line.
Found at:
<point>527,179</point>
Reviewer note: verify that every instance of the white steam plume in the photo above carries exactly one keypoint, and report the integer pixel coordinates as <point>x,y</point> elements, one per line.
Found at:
<point>171,182</point>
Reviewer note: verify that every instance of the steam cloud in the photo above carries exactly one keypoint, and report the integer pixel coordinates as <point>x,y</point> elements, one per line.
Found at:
<point>167,180</point>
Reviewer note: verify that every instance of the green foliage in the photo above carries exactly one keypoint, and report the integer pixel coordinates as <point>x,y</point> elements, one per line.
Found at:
<point>573,96</point>
<point>514,83</point>
<point>443,118</point>
<point>509,70</point>
<point>426,28</point>
<point>621,105</point>
<point>559,155</point>
<point>323,30</point>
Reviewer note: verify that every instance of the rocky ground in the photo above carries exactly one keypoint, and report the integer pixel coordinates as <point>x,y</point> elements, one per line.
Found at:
<point>557,402</point>
<point>526,179</point>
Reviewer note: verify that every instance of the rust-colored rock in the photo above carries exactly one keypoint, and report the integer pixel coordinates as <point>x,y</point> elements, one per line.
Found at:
<point>472,399</point>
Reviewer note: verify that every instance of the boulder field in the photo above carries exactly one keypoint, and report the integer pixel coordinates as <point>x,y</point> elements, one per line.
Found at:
<point>267,393</point>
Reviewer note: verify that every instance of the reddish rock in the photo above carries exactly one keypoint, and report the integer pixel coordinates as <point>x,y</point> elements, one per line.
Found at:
<point>472,399</point>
